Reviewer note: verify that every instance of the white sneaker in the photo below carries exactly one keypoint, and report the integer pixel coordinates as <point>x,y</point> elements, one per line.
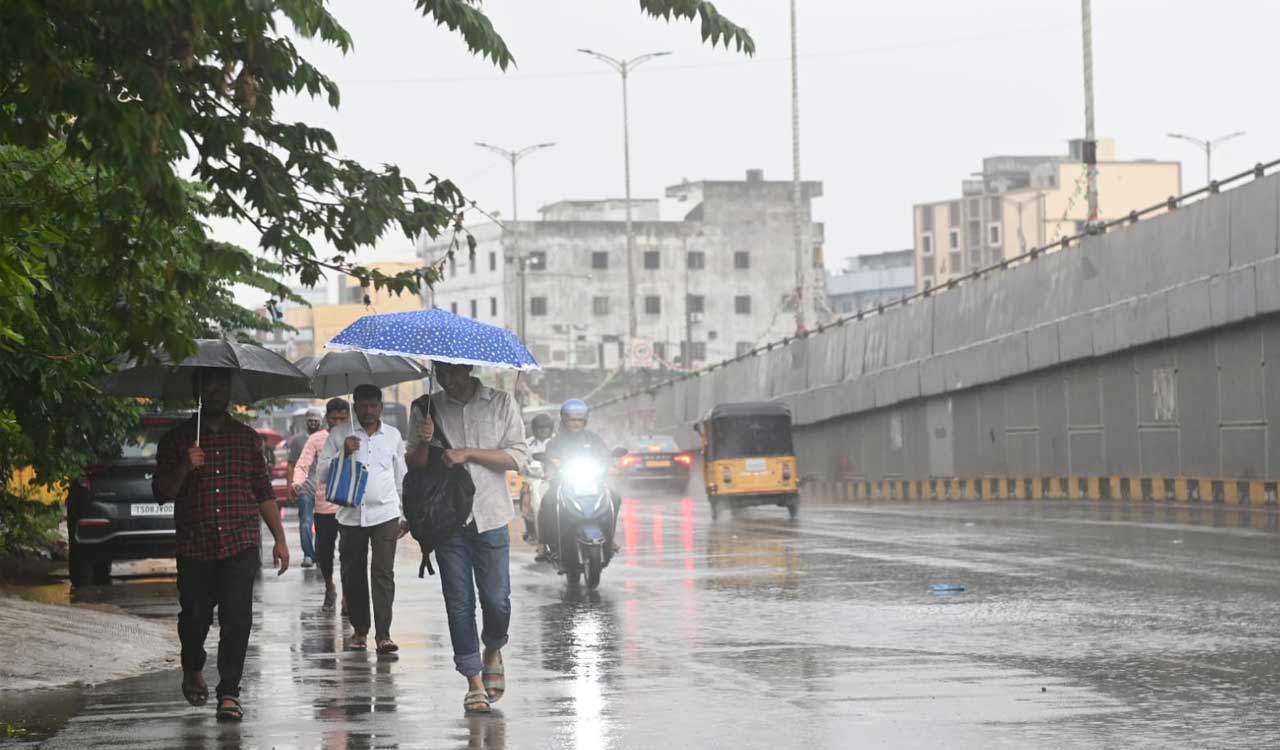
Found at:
<point>306,562</point>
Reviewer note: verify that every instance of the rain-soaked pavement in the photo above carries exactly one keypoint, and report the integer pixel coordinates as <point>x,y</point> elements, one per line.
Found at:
<point>1080,626</point>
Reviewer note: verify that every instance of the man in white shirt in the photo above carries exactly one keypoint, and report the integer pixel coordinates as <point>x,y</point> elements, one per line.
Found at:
<point>486,435</point>
<point>376,524</point>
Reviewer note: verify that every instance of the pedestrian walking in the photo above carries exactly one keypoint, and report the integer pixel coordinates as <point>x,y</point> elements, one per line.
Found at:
<point>306,500</point>
<point>308,480</point>
<point>486,434</point>
<point>212,467</point>
<point>368,532</point>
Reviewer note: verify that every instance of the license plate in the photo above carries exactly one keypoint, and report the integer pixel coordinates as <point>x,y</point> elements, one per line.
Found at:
<point>278,482</point>
<point>151,509</point>
<point>757,466</point>
<point>657,464</point>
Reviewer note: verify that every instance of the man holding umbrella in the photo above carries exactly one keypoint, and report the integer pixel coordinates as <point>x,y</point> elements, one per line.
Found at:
<point>213,469</point>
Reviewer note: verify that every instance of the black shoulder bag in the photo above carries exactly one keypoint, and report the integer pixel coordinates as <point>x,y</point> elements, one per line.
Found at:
<point>437,498</point>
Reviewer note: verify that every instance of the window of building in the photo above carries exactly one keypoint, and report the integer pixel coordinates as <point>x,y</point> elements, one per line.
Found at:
<point>975,207</point>
<point>742,304</point>
<point>652,305</point>
<point>471,263</point>
<point>599,260</point>
<point>926,218</point>
<point>953,214</point>
<point>538,306</point>
<point>352,294</point>
<point>742,259</point>
<point>475,309</point>
<point>493,261</point>
<point>975,234</point>
<point>660,351</point>
<point>537,260</point>
<point>996,205</point>
<point>744,348</point>
<point>926,265</point>
<point>699,352</point>
<point>975,259</point>
<point>599,305</point>
<point>953,239</point>
<point>558,355</point>
<point>993,234</point>
<point>493,307</point>
<point>956,261</point>
<point>928,284</point>
<point>695,303</point>
<point>997,255</point>
<point>926,244</point>
<point>696,261</point>
<point>453,307</point>
<point>652,260</point>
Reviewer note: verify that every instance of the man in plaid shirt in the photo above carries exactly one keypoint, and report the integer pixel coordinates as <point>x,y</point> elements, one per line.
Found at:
<point>221,489</point>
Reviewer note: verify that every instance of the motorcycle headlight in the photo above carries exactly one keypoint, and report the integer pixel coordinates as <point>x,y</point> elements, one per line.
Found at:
<point>584,477</point>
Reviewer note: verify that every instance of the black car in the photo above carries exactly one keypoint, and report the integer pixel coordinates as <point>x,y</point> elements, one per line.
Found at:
<point>655,460</point>
<point>112,513</point>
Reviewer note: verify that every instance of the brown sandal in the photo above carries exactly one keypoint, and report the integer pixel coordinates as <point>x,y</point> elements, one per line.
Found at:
<point>387,646</point>
<point>358,643</point>
<point>229,709</point>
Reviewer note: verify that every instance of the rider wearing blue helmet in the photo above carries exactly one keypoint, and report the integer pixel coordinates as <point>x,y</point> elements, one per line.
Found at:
<point>574,438</point>
<point>573,441</point>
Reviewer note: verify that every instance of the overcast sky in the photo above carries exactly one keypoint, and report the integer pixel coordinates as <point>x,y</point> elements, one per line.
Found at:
<point>899,100</point>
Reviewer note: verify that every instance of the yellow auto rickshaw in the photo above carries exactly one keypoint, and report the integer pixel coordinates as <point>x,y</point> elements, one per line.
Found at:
<point>748,457</point>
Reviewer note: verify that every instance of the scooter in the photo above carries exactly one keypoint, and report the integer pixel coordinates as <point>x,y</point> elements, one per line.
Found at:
<point>581,544</point>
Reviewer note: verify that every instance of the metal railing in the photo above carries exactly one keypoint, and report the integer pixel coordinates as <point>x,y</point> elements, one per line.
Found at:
<point>1170,204</point>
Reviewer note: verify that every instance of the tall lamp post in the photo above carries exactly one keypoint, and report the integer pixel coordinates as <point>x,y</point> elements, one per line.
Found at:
<point>1090,137</point>
<point>514,157</point>
<point>624,68</point>
<point>1206,145</point>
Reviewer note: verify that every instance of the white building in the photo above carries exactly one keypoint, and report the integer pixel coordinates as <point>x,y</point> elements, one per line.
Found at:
<point>707,287</point>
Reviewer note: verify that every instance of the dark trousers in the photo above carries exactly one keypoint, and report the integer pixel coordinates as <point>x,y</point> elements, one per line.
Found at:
<point>226,584</point>
<point>357,570</point>
<point>326,542</point>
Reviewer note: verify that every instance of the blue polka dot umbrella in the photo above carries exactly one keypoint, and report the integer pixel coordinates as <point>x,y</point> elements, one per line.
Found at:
<point>439,336</point>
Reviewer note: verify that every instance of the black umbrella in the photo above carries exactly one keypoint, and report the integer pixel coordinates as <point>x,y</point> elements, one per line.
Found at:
<point>257,374</point>
<point>338,373</point>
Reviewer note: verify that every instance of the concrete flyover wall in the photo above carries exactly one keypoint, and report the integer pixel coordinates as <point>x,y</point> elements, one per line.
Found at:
<point>1135,363</point>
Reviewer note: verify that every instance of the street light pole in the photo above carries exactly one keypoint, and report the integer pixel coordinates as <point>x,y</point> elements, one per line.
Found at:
<point>514,157</point>
<point>796,188</point>
<point>624,68</point>
<point>1207,144</point>
<point>1090,137</point>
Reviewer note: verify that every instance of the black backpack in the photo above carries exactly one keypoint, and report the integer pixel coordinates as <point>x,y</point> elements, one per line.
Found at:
<point>437,498</point>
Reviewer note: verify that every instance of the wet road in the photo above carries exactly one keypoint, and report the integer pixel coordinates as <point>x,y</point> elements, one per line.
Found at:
<point>1080,626</point>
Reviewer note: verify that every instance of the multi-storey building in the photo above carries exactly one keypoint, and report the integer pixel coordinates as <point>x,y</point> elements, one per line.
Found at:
<point>1021,202</point>
<point>871,279</point>
<point>708,286</point>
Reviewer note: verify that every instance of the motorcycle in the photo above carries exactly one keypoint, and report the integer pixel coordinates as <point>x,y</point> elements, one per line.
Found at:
<point>581,542</point>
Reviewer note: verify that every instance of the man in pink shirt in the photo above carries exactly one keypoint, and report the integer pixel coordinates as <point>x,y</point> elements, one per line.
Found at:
<point>308,478</point>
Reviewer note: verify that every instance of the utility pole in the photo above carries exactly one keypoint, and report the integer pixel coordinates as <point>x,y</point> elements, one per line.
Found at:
<point>1207,145</point>
<point>796,187</point>
<point>1090,137</point>
<point>520,261</point>
<point>624,68</point>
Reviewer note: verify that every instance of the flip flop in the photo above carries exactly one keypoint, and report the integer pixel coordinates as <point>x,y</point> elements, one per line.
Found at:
<point>495,680</point>
<point>358,643</point>
<point>232,712</point>
<point>196,695</point>
<point>476,702</point>
<point>387,646</point>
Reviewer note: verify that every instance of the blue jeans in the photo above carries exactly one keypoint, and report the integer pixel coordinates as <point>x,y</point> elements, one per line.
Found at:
<point>306,517</point>
<point>468,561</point>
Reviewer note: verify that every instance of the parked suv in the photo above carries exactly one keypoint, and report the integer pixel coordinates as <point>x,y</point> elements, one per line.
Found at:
<point>112,513</point>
